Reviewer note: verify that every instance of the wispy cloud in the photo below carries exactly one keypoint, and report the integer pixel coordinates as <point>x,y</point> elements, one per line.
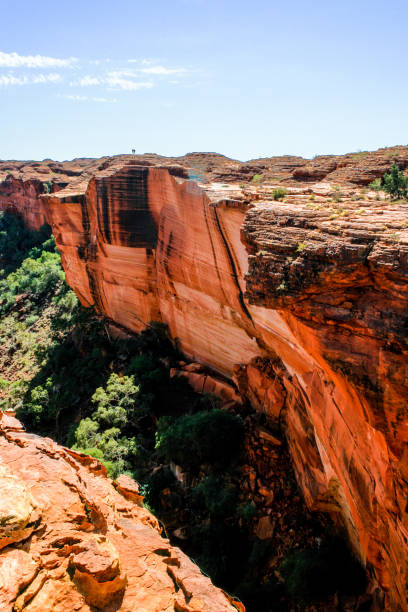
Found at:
<point>152,67</point>
<point>78,98</point>
<point>14,60</point>
<point>75,98</point>
<point>46,78</point>
<point>117,82</point>
<point>162,71</point>
<point>7,80</point>
<point>103,100</point>
<point>114,80</point>
<point>87,81</point>
<point>109,75</point>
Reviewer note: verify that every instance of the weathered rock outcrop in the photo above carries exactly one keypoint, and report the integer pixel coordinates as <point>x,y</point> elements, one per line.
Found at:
<point>23,198</point>
<point>301,302</point>
<point>70,540</point>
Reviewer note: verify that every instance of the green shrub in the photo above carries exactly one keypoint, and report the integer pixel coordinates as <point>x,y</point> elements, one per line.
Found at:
<point>41,404</point>
<point>246,511</point>
<point>221,551</point>
<point>376,185</point>
<point>66,310</point>
<point>116,401</point>
<point>395,183</point>
<point>16,240</point>
<point>216,497</point>
<point>213,437</point>
<point>315,574</point>
<point>113,449</point>
<point>153,489</point>
<point>35,277</point>
<point>279,193</point>
<point>155,340</point>
<point>257,179</point>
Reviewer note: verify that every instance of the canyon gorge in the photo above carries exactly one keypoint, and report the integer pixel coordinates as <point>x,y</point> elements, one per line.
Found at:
<point>287,279</point>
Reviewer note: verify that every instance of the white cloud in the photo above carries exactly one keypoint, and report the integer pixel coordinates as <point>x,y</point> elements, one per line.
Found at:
<point>117,82</point>
<point>114,80</point>
<point>46,78</point>
<point>151,68</point>
<point>104,99</point>
<point>86,81</point>
<point>162,71</point>
<point>10,79</point>
<point>78,98</point>
<point>14,60</point>
<point>143,61</point>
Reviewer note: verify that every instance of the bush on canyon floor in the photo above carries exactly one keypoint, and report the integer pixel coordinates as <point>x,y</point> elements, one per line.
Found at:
<point>35,277</point>
<point>109,446</point>
<point>162,492</point>
<point>16,240</point>
<point>155,340</point>
<point>216,497</point>
<point>395,183</point>
<point>111,428</point>
<point>213,437</point>
<point>115,402</point>
<point>313,575</point>
<point>221,550</point>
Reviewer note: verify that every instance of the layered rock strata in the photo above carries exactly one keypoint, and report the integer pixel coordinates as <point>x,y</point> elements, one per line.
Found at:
<point>23,198</point>
<point>71,540</point>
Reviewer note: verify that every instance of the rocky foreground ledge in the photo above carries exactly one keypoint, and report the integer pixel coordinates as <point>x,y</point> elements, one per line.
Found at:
<point>71,539</point>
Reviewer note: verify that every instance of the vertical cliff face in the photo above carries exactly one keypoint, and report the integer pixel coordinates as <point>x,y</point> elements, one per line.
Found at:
<point>142,246</point>
<point>304,305</point>
<point>23,198</point>
<point>340,285</point>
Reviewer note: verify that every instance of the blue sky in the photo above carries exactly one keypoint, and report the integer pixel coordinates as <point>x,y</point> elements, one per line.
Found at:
<point>247,79</point>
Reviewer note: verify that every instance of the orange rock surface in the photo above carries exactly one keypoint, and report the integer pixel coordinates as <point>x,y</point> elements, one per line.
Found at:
<point>302,302</point>
<point>70,540</point>
<point>22,197</point>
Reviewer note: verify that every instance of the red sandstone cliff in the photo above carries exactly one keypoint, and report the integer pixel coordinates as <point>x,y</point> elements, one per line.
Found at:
<point>70,540</point>
<point>302,302</point>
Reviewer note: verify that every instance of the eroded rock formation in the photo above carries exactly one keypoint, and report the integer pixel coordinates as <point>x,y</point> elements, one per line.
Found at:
<point>70,540</point>
<point>301,302</point>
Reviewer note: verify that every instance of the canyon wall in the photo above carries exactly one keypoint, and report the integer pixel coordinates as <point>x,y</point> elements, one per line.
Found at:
<point>23,198</point>
<point>305,312</point>
<point>301,302</point>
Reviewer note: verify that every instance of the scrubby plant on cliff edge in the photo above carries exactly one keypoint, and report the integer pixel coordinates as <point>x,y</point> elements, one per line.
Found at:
<point>279,193</point>
<point>395,183</point>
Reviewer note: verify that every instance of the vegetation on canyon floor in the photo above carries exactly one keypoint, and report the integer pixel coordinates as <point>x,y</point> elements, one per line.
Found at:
<point>115,399</point>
